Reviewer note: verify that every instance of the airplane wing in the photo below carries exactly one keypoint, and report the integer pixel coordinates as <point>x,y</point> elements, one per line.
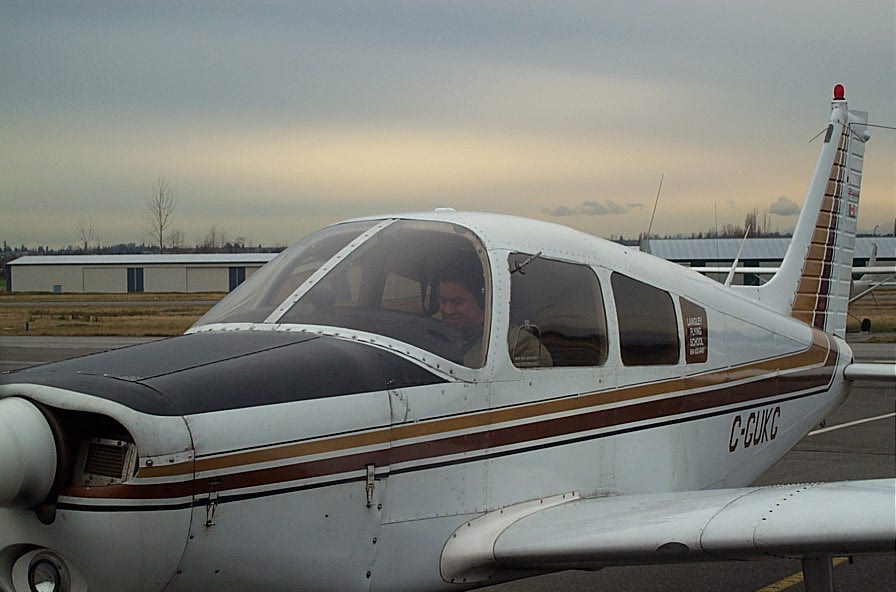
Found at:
<point>806,521</point>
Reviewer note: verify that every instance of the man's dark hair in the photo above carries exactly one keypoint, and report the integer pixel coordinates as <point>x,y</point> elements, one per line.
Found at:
<point>465,268</point>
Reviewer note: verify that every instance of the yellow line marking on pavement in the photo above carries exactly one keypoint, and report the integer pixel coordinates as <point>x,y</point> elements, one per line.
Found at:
<point>794,579</point>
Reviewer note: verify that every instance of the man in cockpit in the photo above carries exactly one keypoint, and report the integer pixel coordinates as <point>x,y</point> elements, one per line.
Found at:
<point>461,296</point>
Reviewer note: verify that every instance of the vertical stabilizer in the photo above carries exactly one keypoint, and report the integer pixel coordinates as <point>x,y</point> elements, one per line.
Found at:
<point>813,282</point>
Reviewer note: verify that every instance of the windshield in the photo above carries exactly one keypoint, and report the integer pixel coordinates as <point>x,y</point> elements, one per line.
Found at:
<point>256,298</point>
<point>423,283</point>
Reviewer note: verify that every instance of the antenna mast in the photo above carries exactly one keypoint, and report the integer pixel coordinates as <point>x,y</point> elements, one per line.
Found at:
<point>655,203</point>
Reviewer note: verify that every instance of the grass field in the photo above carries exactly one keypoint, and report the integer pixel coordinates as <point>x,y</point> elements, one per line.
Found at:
<point>131,315</point>
<point>161,315</point>
<point>880,309</point>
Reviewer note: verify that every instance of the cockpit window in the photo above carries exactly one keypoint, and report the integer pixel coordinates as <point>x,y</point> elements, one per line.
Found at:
<point>423,283</point>
<point>258,297</point>
<point>557,314</point>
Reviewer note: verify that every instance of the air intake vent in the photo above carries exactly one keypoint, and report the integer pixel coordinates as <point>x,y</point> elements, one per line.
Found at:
<point>104,462</point>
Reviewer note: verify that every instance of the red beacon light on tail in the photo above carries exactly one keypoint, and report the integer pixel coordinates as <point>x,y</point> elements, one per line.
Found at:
<point>839,92</point>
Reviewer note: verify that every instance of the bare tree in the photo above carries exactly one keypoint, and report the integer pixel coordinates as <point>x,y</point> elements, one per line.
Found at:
<point>86,232</point>
<point>765,225</point>
<point>751,222</point>
<point>214,240</point>
<point>176,240</point>
<point>759,225</point>
<point>731,231</point>
<point>160,209</point>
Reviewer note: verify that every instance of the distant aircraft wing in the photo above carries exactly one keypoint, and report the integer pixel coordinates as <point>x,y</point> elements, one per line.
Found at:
<point>739,269</point>
<point>796,521</point>
<point>872,278</point>
<point>873,372</point>
<point>878,270</point>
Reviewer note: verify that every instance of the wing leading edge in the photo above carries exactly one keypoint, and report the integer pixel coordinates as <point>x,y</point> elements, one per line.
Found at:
<point>794,521</point>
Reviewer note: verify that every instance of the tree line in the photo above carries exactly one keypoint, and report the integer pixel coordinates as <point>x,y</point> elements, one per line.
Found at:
<point>757,223</point>
<point>158,227</point>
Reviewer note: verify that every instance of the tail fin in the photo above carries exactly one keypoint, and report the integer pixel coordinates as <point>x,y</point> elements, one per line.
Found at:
<point>813,282</point>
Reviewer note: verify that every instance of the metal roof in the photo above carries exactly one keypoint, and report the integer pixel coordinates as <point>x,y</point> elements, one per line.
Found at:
<point>191,259</point>
<point>763,249</point>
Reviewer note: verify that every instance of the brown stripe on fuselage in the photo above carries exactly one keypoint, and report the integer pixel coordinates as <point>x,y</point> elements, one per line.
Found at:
<point>809,369</point>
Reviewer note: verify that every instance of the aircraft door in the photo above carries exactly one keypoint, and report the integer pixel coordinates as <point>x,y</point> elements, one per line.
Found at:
<point>557,351</point>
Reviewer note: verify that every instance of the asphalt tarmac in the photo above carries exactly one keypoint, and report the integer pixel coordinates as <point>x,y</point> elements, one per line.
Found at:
<point>857,442</point>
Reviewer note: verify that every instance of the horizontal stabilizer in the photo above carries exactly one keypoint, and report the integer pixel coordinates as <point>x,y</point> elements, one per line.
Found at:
<point>874,372</point>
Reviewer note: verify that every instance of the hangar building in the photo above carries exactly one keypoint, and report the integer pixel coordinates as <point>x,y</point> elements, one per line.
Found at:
<point>757,252</point>
<point>216,272</point>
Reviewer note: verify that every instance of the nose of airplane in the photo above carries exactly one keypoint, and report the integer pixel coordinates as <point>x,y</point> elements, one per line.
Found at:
<point>28,457</point>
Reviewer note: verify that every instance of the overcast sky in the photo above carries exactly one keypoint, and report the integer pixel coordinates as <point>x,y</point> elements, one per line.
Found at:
<point>270,119</point>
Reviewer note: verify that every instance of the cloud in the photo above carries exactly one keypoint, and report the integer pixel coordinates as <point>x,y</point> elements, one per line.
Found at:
<point>784,207</point>
<point>594,208</point>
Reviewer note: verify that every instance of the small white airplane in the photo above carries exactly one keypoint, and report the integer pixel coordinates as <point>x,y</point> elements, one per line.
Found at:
<point>872,279</point>
<point>448,400</point>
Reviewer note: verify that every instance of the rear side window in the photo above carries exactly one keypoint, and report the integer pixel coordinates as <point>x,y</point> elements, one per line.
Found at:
<point>556,314</point>
<point>648,330</point>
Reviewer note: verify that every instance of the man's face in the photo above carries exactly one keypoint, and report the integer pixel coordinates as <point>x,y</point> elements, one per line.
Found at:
<point>459,307</point>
